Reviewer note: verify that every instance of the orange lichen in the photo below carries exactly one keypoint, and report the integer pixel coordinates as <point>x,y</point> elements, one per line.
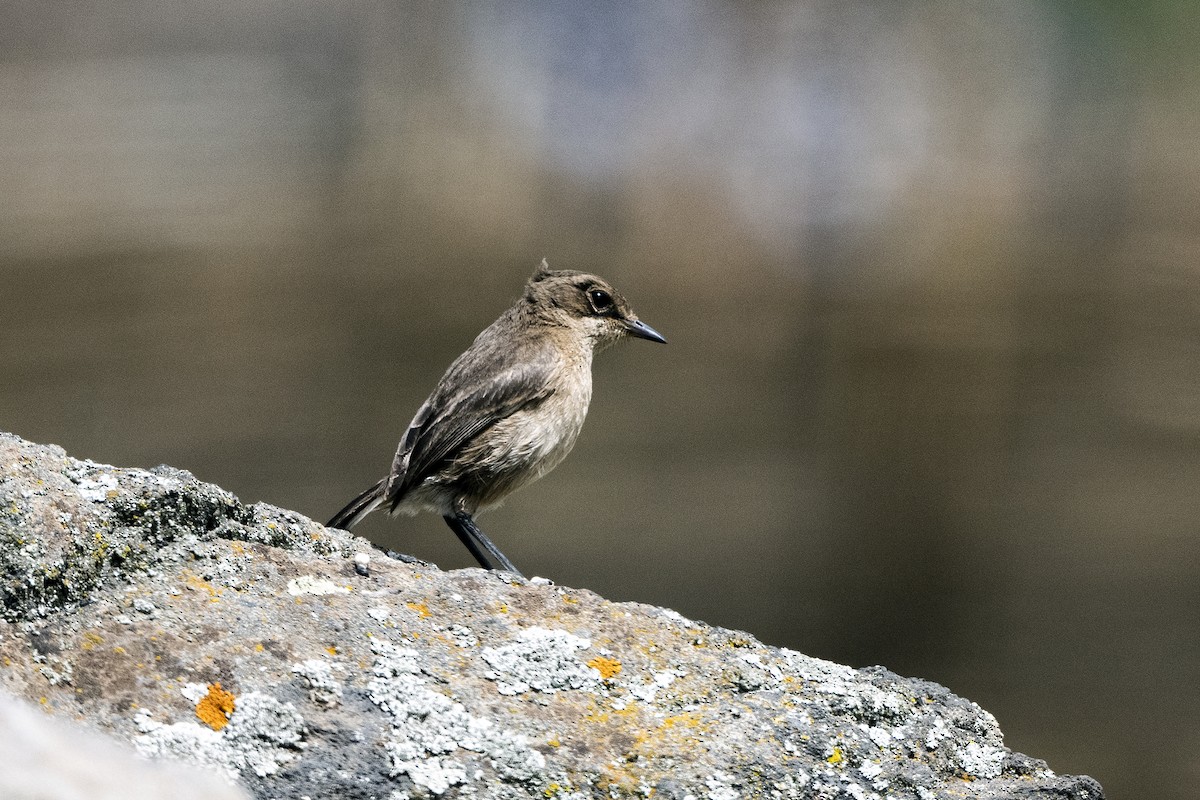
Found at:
<point>215,707</point>
<point>421,609</point>
<point>607,667</point>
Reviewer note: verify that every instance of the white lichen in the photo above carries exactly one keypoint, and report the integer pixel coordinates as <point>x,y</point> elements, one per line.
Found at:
<point>261,736</point>
<point>428,726</point>
<point>462,636</point>
<point>937,732</point>
<point>311,584</point>
<point>981,760</point>
<point>323,688</point>
<point>541,660</point>
<point>96,490</point>
<point>646,691</point>
<point>720,787</point>
<point>193,692</point>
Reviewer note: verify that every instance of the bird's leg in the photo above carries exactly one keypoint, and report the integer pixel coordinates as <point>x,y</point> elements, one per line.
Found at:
<point>477,542</point>
<point>465,537</point>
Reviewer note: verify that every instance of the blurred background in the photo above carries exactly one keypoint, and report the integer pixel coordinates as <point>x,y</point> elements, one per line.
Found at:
<point>928,271</point>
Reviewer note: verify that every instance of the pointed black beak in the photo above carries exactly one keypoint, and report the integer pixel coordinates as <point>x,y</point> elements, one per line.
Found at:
<point>643,331</point>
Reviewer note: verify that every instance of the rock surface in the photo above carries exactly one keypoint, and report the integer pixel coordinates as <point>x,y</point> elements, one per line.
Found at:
<point>300,661</point>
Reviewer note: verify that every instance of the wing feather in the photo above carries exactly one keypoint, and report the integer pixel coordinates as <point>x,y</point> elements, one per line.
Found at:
<point>485,385</point>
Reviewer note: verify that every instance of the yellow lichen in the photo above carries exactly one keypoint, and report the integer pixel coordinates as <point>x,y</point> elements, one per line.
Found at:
<point>836,757</point>
<point>615,781</point>
<point>194,581</point>
<point>421,609</point>
<point>674,734</point>
<point>607,667</point>
<point>90,640</point>
<point>215,707</point>
<point>685,720</point>
<point>604,716</point>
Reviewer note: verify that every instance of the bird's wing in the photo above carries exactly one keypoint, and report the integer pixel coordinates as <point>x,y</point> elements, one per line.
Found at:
<point>475,394</point>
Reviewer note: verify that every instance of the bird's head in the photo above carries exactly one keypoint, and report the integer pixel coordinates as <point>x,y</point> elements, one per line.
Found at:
<point>585,303</point>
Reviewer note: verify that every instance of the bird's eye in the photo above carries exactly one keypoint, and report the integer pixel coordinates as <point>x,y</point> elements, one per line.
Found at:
<point>601,300</point>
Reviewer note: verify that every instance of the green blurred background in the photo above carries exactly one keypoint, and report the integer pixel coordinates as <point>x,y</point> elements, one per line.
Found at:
<point>928,271</point>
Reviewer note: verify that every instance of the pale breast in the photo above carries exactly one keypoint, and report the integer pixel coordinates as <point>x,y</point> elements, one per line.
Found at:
<point>542,436</point>
<point>531,442</point>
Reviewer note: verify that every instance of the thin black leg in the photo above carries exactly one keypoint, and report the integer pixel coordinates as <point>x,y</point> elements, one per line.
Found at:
<point>465,537</point>
<point>477,542</point>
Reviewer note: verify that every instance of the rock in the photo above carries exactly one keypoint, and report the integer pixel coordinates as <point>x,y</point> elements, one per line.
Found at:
<point>299,661</point>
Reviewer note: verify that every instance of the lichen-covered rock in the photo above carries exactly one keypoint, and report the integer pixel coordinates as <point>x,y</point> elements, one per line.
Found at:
<point>298,660</point>
<point>42,758</point>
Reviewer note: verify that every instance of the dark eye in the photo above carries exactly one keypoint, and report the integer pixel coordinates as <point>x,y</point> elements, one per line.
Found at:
<point>601,300</point>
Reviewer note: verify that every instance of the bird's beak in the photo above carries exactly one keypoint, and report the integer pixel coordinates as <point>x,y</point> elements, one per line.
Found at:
<point>637,328</point>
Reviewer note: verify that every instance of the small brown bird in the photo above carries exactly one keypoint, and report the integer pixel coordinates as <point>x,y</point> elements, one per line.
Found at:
<point>507,411</point>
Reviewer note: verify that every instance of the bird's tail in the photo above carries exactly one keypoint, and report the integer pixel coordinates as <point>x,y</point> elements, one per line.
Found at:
<point>359,507</point>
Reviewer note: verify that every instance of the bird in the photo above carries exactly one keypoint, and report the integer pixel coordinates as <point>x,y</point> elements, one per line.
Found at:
<point>507,411</point>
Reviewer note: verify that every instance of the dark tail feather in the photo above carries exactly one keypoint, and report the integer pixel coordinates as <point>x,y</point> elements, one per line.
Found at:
<point>359,507</point>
